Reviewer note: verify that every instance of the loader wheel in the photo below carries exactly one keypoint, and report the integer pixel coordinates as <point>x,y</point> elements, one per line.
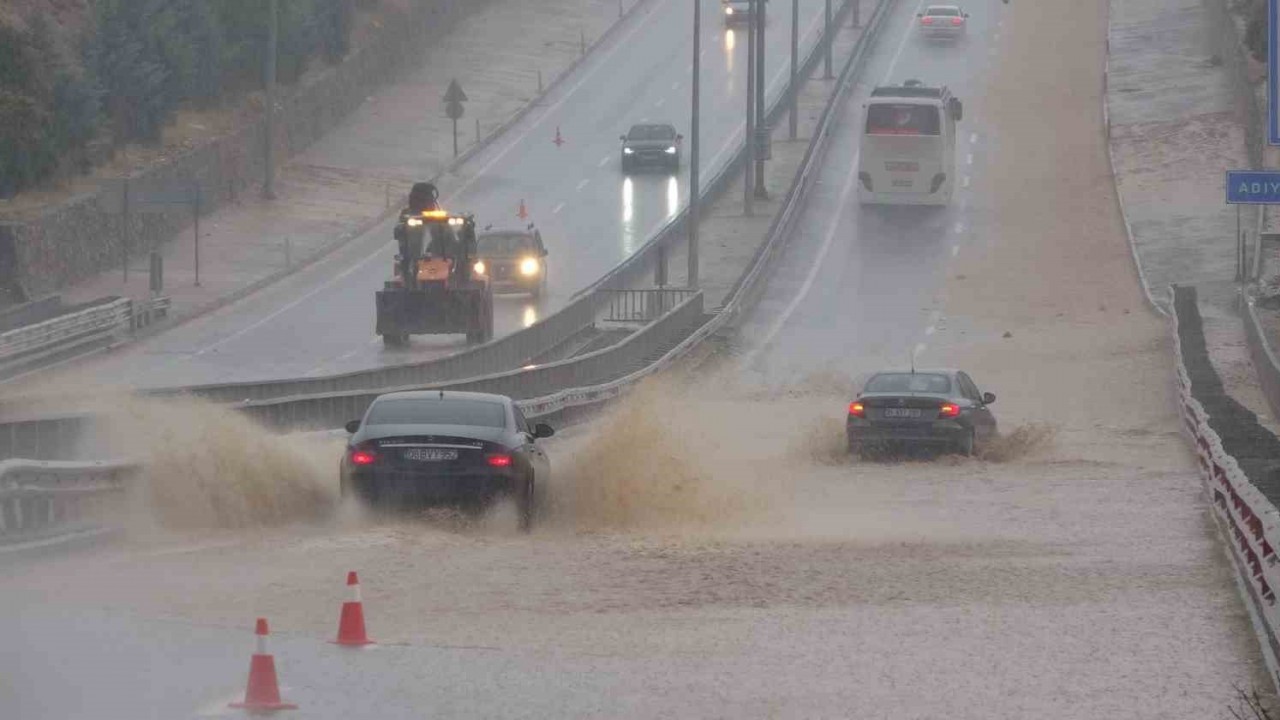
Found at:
<point>395,341</point>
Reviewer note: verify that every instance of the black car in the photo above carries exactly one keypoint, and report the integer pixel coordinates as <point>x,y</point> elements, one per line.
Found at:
<point>653,145</point>
<point>939,408</point>
<point>739,11</point>
<point>514,260</point>
<point>438,447</point>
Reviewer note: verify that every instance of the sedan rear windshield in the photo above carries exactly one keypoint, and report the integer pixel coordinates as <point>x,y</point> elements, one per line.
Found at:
<point>437,411</point>
<point>945,11</point>
<point>909,383</point>
<point>506,244</point>
<point>903,119</point>
<point>651,132</point>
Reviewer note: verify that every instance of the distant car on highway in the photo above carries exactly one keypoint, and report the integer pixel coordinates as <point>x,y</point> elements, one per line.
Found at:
<point>439,447</point>
<point>651,144</point>
<point>514,260</point>
<point>739,11</point>
<point>939,408</point>
<point>946,21</point>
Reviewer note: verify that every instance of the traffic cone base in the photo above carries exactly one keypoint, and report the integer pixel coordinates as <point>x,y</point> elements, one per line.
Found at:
<point>351,626</point>
<point>263,690</point>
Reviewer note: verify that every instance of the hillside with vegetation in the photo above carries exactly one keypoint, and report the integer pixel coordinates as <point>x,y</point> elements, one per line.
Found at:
<point>83,80</point>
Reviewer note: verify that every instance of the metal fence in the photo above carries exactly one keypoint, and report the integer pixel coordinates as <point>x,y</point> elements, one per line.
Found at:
<point>41,498</point>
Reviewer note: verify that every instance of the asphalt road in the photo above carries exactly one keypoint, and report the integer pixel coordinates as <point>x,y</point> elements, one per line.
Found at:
<point>857,290</point>
<point>320,321</point>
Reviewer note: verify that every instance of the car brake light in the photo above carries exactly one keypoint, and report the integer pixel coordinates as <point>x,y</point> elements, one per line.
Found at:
<point>926,20</point>
<point>362,457</point>
<point>499,461</point>
<point>949,410</point>
<point>956,21</point>
<point>856,409</point>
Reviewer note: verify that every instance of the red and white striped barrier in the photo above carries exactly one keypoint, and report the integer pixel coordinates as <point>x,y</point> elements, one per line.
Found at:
<point>1249,523</point>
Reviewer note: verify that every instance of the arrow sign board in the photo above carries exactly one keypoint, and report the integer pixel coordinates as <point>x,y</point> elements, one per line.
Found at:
<point>1253,187</point>
<point>453,99</point>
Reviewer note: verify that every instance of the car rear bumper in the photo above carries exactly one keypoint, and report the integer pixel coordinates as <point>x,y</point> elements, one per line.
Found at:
<point>942,197</point>
<point>942,432</point>
<point>658,159</point>
<point>397,487</point>
<point>942,32</point>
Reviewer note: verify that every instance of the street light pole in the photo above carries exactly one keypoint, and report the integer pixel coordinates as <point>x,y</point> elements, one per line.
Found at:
<point>751,109</point>
<point>760,92</point>
<point>795,53</point>
<point>826,34</point>
<point>693,148</point>
<point>273,22</point>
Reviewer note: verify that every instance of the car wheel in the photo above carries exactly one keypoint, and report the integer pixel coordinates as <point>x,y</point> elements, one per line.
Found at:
<point>965,445</point>
<point>855,450</point>
<point>524,505</point>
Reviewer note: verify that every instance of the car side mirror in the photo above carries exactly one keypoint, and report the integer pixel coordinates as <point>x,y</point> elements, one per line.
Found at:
<point>623,138</point>
<point>679,138</point>
<point>919,14</point>
<point>956,108</point>
<point>966,14</point>
<point>543,430</point>
<point>352,426</point>
<point>988,398</point>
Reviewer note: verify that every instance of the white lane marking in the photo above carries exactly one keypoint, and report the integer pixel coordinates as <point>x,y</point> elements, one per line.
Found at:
<point>901,46</point>
<point>818,264</point>
<point>660,102</point>
<point>557,209</point>
<point>930,330</point>
<point>582,184</point>
<point>968,160</point>
<point>964,182</point>
<point>999,23</point>
<point>675,85</point>
<point>959,228</point>
<point>515,142</point>
<point>991,52</point>
<point>955,250</point>
<point>603,161</point>
<point>996,36</point>
<point>919,349</point>
<point>973,138</point>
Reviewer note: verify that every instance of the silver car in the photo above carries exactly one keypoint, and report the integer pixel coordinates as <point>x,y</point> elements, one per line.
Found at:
<point>944,21</point>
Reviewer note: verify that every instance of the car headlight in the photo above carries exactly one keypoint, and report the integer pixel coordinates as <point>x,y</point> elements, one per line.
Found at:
<point>456,221</point>
<point>671,150</point>
<point>728,11</point>
<point>414,222</point>
<point>479,267</point>
<point>627,151</point>
<point>529,266</point>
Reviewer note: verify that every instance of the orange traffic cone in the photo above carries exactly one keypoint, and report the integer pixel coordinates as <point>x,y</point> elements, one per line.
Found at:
<point>522,213</point>
<point>559,140</point>
<point>263,691</point>
<point>351,624</point>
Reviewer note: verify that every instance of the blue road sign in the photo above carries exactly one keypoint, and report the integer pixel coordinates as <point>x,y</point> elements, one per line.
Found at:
<point>1253,187</point>
<point>1273,66</point>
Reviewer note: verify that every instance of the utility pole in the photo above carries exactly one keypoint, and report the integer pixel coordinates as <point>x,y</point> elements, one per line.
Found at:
<point>827,38</point>
<point>761,126</point>
<point>693,148</point>
<point>273,31</point>
<point>751,109</point>
<point>795,53</point>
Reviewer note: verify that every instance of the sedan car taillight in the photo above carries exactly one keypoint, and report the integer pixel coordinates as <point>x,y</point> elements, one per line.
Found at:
<point>949,410</point>
<point>362,457</point>
<point>957,21</point>
<point>498,460</point>
<point>857,410</point>
<point>926,20</point>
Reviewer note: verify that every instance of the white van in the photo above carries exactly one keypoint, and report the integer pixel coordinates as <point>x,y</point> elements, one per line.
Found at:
<point>908,145</point>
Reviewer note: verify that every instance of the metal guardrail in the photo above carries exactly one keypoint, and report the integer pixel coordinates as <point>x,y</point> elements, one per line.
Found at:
<point>40,498</point>
<point>1249,523</point>
<point>1265,363</point>
<point>109,316</point>
<point>330,410</point>
<point>643,305</point>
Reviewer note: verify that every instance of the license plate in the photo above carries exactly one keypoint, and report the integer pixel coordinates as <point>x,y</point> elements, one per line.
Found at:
<point>902,412</point>
<point>430,454</point>
<point>902,167</point>
<point>902,183</point>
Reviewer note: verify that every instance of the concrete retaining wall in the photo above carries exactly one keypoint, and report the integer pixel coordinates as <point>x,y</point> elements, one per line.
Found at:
<point>79,237</point>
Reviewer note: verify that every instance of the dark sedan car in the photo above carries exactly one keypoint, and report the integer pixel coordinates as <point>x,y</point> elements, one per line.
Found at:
<point>514,260</point>
<point>939,408</point>
<point>651,145</point>
<point>433,447</point>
